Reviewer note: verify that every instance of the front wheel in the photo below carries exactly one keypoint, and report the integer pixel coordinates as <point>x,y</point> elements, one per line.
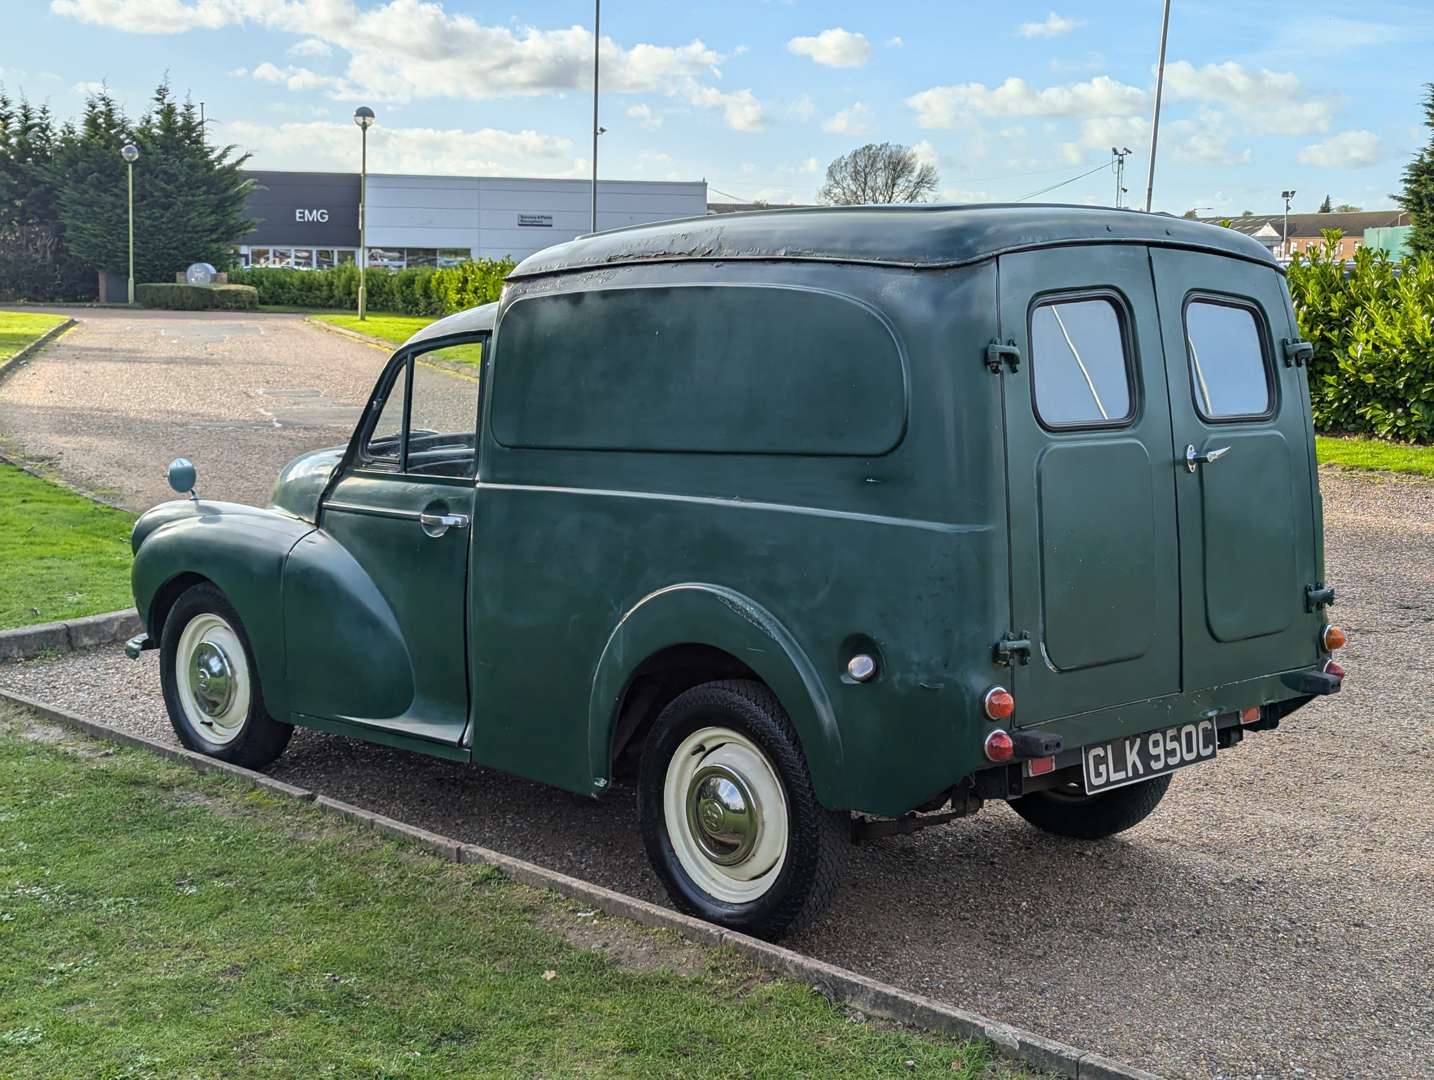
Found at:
<point>729,817</point>
<point>1069,811</point>
<point>211,684</point>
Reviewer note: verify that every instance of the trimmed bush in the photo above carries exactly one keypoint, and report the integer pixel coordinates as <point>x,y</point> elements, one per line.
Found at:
<point>177,297</point>
<point>1372,327</point>
<point>415,291</point>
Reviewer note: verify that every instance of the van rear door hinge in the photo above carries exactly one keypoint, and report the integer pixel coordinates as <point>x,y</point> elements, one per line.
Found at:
<point>998,354</point>
<point>1014,648</point>
<point>1318,595</point>
<point>1298,353</point>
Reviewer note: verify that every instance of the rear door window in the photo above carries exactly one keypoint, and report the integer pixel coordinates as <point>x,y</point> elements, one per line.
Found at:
<point>1080,363</point>
<point>1228,366</point>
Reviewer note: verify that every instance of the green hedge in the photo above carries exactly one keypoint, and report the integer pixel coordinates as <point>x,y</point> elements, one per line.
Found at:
<point>415,291</point>
<point>176,297</point>
<point>1372,327</point>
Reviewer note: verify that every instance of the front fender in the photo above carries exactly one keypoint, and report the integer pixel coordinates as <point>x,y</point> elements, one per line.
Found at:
<point>242,550</point>
<point>713,615</point>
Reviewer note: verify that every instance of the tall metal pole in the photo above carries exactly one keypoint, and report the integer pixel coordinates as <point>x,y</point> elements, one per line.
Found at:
<point>363,228</point>
<point>597,44</point>
<point>129,169</point>
<point>1155,121</point>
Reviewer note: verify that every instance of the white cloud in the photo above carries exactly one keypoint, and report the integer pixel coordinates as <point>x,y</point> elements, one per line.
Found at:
<point>855,120</point>
<point>1268,102</point>
<point>150,16</point>
<point>803,108</point>
<point>894,42</point>
<point>1347,150</point>
<point>1211,148</point>
<point>330,145</point>
<point>946,106</point>
<point>811,165</point>
<point>89,88</point>
<point>1103,132</point>
<point>1052,25</point>
<point>644,115</point>
<point>833,47</point>
<point>740,108</point>
<point>926,152</point>
<point>311,47</point>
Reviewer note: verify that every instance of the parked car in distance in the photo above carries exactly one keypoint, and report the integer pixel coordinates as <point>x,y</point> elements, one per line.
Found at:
<point>816,525</point>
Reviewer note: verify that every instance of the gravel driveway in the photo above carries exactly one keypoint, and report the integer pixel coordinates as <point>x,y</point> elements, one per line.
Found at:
<point>1275,918</point>
<point>123,393</point>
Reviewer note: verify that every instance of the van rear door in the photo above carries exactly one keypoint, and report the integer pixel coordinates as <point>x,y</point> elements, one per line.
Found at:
<point>1240,411</point>
<point>1095,573</point>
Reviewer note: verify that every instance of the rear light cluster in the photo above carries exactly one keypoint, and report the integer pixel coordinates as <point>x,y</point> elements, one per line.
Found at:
<point>1331,668</point>
<point>1332,637</point>
<point>999,703</point>
<point>1000,747</point>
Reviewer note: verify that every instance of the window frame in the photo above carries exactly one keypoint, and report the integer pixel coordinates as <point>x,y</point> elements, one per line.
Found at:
<point>400,367</point>
<point>1124,321</point>
<point>1262,332</point>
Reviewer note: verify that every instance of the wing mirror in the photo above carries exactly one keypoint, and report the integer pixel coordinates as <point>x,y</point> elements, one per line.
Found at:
<point>182,476</point>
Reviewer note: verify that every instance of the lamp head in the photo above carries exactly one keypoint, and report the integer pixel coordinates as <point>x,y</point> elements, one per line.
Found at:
<point>130,152</point>
<point>363,117</point>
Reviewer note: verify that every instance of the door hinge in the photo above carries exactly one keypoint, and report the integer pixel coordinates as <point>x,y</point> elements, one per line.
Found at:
<point>998,354</point>
<point>1013,648</point>
<point>1318,595</point>
<point>1297,353</point>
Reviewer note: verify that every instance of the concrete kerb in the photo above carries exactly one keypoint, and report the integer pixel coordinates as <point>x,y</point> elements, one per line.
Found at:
<point>364,339</point>
<point>25,642</point>
<point>9,367</point>
<point>836,984</point>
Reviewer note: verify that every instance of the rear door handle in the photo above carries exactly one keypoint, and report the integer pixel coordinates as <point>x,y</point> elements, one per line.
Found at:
<point>437,524</point>
<point>1195,457</point>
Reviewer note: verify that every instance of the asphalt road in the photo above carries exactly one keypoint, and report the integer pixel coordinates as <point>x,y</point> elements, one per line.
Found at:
<point>1274,918</point>
<point>123,393</point>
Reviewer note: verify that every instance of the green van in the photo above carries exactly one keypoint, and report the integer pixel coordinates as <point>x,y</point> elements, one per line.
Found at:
<point>816,525</point>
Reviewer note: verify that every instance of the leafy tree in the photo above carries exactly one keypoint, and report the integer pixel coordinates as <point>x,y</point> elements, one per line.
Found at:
<point>188,196</point>
<point>1418,195</point>
<point>878,173</point>
<point>1346,208</point>
<point>1324,207</point>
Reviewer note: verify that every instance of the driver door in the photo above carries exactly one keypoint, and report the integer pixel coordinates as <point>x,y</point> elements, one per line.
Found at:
<point>402,511</point>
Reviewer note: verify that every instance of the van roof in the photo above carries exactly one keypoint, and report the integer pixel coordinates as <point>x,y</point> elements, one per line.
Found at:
<point>919,236</point>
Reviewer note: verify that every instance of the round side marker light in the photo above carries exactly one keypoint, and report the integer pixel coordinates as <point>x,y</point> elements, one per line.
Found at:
<point>1334,669</point>
<point>1332,637</point>
<point>999,703</point>
<point>999,746</point>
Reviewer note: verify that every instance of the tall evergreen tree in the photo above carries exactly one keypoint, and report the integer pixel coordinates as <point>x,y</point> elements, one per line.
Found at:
<point>1418,195</point>
<point>188,196</point>
<point>1324,207</point>
<point>35,263</point>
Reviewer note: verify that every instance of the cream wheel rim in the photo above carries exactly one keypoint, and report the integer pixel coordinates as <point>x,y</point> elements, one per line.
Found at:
<point>212,676</point>
<point>726,815</point>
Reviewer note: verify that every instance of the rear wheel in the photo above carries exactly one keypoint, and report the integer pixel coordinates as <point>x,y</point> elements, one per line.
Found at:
<point>729,816</point>
<point>1069,811</point>
<point>211,684</point>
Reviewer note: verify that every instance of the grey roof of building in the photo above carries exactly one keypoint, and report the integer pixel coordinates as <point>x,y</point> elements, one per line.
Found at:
<point>1352,223</point>
<point>914,236</point>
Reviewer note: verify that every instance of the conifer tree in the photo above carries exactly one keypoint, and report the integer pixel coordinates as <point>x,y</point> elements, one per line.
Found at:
<point>1418,195</point>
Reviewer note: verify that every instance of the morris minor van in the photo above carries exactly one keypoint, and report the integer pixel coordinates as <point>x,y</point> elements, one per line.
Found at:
<point>813,525</point>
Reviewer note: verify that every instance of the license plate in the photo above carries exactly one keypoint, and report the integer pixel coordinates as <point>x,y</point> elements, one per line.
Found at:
<point>1135,758</point>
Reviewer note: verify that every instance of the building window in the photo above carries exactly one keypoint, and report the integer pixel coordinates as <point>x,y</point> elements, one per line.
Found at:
<point>258,256</point>
<point>303,258</point>
<point>387,258</point>
<point>420,256</point>
<point>346,256</point>
<point>453,256</point>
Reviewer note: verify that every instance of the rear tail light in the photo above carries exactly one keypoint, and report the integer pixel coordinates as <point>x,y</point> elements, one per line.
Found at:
<point>999,746</point>
<point>1040,766</point>
<point>1331,668</point>
<point>1250,715</point>
<point>1332,637</point>
<point>999,703</point>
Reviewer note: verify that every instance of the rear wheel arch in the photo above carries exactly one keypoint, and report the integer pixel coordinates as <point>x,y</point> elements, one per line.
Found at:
<point>697,629</point>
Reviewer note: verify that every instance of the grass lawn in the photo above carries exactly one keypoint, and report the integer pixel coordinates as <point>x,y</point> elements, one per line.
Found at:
<point>18,329</point>
<point>396,329</point>
<point>159,922</point>
<point>1352,453</point>
<point>61,555</point>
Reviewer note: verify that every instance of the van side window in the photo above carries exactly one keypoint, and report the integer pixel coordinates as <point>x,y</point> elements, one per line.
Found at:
<point>1227,360</point>
<point>1080,364</point>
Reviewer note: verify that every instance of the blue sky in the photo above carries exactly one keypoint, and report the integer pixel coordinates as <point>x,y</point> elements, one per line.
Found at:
<point>757,97</point>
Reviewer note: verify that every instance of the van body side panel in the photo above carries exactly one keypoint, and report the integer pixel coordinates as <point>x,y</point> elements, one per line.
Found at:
<point>904,550</point>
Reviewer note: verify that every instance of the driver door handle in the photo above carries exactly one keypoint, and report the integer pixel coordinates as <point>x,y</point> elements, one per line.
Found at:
<point>1195,457</point>
<point>438,524</point>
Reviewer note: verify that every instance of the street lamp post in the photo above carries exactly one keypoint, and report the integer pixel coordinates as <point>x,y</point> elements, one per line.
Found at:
<point>1155,117</point>
<point>130,153</point>
<point>597,44</point>
<point>363,117</point>
<point>1285,237</point>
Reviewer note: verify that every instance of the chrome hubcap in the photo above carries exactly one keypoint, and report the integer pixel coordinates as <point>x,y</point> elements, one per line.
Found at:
<point>723,814</point>
<point>211,678</point>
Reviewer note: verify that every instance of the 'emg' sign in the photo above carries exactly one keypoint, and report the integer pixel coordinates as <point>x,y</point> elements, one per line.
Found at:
<point>311,215</point>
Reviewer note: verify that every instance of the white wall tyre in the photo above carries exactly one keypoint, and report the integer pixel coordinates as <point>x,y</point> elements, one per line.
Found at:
<point>729,817</point>
<point>211,684</point>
